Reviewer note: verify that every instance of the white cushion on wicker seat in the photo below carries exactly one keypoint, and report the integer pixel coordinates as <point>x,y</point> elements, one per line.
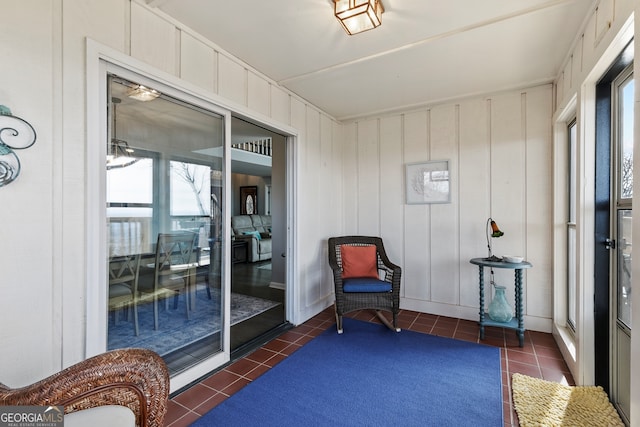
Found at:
<point>101,416</point>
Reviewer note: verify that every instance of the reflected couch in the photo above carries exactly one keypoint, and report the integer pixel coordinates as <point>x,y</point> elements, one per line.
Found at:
<point>256,230</point>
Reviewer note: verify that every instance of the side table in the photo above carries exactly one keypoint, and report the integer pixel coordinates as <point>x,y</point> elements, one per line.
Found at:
<point>239,251</point>
<point>517,322</point>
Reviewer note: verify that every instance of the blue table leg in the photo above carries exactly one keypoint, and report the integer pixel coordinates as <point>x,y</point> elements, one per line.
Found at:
<point>519,307</point>
<point>481,302</point>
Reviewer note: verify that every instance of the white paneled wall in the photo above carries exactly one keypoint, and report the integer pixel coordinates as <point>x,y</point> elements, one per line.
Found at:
<point>499,152</point>
<point>154,40</point>
<point>602,27</point>
<point>199,63</point>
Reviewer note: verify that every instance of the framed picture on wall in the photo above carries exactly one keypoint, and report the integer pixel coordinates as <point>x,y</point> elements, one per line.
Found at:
<point>428,182</point>
<point>249,200</point>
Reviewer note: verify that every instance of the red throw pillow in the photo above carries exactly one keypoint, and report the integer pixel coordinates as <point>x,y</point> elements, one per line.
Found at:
<point>359,261</point>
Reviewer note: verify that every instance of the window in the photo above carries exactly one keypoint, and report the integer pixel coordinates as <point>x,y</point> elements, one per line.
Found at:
<point>130,207</point>
<point>623,114</point>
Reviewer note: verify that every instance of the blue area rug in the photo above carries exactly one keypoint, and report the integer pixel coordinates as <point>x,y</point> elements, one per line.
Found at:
<point>371,376</point>
<point>175,330</point>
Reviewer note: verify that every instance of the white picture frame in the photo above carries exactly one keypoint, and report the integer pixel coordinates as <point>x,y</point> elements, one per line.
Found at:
<point>428,182</point>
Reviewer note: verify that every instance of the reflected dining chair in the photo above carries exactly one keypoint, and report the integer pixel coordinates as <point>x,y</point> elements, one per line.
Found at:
<point>173,270</point>
<point>123,285</point>
<point>364,278</point>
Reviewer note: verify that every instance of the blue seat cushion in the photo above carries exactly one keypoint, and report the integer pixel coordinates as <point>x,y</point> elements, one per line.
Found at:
<point>365,284</point>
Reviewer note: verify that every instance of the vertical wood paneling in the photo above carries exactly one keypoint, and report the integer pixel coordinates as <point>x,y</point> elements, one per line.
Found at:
<point>325,196</point>
<point>312,207</point>
<point>590,40</point>
<point>368,178</point>
<point>198,62</point>
<point>153,40</point>
<point>350,178</point>
<point>334,176</point>
<point>576,59</point>
<point>508,207</point>
<point>32,294</point>
<point>417,254</point>
<point>444,217</point>
<point>391,186</point>
<point>568,75</point>
<point>604,18</point>
<point>232,80</point>
<point>258,94</point>
<point>280,105</point>
<point>539,209</point>
<point>474,200</point>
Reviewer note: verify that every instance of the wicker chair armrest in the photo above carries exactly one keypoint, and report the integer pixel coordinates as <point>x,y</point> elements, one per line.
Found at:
<point>136,378</point>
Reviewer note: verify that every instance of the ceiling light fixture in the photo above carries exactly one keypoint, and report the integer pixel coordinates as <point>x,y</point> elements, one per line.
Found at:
<point>357,16</point>
<point>119,154</point>
<point>143,93</point>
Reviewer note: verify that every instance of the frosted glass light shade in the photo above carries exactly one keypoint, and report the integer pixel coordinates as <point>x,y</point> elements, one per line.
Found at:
<point>357,16</point>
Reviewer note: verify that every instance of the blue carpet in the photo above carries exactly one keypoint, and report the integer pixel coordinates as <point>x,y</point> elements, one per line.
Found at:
<point>175,330</point>
<point>371,376</point>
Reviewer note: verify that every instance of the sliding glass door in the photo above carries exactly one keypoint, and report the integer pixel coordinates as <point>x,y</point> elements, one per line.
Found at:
<point>164,216</point>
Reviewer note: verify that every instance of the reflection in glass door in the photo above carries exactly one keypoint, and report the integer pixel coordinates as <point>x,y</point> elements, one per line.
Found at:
<point>164,177</point>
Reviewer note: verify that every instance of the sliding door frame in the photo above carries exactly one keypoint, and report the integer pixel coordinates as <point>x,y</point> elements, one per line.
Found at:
<point>101,60</point>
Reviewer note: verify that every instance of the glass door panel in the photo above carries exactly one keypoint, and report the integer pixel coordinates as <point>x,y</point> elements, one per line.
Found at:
<point>164,177</point>
<point>623,114</point>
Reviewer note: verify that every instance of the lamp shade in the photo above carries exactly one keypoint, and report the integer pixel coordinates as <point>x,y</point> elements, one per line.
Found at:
<point>495,230</point>
<point>357,16</point>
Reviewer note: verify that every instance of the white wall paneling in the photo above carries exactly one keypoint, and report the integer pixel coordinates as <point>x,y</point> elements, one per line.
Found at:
<point>280,105</point>
<point>539,173</point>
<point>417,262</point>
<point>154,40</point>
<point>368,194</point>
<point>349,179</point>
<point>27,306</point>
<point>259,94</point>
<point>392,187</point>
<point>444,229</point>
<point>232,80</point>
<point>310,222</point>
<point>473,193</point>
<point>198,62</point>
<point>498,149</point>
<point>325,198</point>
<point>508,169</point>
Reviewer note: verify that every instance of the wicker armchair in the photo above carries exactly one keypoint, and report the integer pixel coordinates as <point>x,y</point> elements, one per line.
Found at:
<point>136,378</point>
<point>384,292</point>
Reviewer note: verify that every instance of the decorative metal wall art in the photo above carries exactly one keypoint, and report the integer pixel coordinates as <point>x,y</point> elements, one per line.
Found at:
<point>15,134</point>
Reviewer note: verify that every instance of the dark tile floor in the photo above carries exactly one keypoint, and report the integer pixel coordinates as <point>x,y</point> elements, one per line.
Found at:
<point>540,358</point>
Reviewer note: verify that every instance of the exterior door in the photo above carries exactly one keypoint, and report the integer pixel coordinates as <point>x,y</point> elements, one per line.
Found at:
<point>621,215</point>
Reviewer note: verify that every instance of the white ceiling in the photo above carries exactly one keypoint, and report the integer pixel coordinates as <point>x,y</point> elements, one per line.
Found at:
<point>425,51</point>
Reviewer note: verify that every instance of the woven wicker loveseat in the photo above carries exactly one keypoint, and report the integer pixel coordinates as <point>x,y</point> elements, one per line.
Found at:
<point>135,378</point>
